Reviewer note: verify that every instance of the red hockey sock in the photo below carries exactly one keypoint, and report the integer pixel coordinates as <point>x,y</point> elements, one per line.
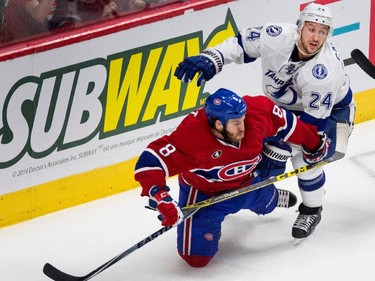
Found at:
<point>196,261</point>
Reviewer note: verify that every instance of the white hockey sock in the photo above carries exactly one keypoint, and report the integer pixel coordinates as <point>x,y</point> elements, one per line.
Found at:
<point>314,198</point>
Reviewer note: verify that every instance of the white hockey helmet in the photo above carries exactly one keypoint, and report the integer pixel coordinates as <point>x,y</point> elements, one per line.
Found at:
<point>316,13</point>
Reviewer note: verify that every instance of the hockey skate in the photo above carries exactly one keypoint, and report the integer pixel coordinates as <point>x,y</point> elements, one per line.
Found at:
<point>308,218</point>
<point>286,199</point>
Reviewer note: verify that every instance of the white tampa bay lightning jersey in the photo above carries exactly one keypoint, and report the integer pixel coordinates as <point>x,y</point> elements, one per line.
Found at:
<point>312,88</point>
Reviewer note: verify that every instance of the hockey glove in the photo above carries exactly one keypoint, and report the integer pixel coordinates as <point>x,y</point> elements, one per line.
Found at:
<point>207,64</point>
<point>319,153</point>
<point>274,158</point>
<point>161,201</point>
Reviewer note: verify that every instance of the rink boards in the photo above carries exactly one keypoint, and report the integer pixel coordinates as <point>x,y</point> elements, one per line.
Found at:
<point>132,98</point>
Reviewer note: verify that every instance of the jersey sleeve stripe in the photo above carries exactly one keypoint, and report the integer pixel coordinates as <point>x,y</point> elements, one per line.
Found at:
<point>290,125</point>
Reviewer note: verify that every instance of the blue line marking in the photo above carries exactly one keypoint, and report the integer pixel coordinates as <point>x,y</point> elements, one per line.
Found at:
<point>346,29</point>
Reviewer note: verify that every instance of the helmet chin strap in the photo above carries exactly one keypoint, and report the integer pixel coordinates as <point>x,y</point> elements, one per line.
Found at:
<point>302,52</point>
<point>223,133</point>
<point>225,136</point>
<point>305,54</point>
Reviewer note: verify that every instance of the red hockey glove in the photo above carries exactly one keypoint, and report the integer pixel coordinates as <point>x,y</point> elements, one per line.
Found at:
<point>160,200</point>
<point>319,153</point>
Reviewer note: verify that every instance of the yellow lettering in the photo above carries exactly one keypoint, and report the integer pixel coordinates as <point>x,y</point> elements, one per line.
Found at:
<point>192,91</point>
<point>219,36</point>
<point>142,85</point>
<point>115,100</point>
<point>129,88</point>
<point>137,95</point>
<point>166,91</point>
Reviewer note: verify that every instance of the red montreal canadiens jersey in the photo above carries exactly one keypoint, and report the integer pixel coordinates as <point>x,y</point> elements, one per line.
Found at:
<point>212,165</point>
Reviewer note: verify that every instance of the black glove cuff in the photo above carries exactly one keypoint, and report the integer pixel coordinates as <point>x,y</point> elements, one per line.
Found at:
<point>275,153</point>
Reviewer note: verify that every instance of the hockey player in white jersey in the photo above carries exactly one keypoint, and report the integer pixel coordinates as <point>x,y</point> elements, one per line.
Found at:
<point>301,71</point>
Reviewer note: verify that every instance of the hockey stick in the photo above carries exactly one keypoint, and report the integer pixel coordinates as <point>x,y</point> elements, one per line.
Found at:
<point>188,211</point>
<point>57,275</point>
<point>363,62</point>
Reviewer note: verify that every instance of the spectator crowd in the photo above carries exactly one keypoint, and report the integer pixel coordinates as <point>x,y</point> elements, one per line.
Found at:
<point>22,20</point>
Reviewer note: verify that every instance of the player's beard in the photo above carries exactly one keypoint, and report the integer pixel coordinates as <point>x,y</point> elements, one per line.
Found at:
<point>303,47</point>
<point>233,138</point>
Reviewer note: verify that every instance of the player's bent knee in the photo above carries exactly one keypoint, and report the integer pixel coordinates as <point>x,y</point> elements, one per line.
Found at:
<point>196,261</point>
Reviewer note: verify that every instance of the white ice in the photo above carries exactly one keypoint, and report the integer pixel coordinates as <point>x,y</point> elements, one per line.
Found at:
<point>257,248</point>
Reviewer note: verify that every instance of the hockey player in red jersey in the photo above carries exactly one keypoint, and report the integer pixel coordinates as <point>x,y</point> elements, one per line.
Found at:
<point>215,149</point>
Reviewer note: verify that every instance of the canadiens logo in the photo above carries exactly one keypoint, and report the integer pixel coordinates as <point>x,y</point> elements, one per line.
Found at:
<point>238,169</point>
<point>209,236</point>
<point>228,172</point>
<point>217,101</point>
<point>216,154</point>
<point>319,71</point>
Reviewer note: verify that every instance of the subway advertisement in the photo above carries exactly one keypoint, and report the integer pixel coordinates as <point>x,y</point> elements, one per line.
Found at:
<point>75,118</point>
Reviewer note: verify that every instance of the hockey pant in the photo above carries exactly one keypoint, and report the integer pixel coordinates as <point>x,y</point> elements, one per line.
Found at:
<point>311,183</point>
<point>199,235</point>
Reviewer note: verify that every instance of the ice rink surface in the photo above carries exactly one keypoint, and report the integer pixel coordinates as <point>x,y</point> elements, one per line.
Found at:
<point>257,248</point>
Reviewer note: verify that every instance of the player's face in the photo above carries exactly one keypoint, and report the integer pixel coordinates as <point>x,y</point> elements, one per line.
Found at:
<point>312,37</point>
<point>235,129</point>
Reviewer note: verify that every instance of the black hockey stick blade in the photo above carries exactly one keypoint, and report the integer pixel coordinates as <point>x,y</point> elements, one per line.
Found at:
<point>363,62</point>
<point>55,274</point>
